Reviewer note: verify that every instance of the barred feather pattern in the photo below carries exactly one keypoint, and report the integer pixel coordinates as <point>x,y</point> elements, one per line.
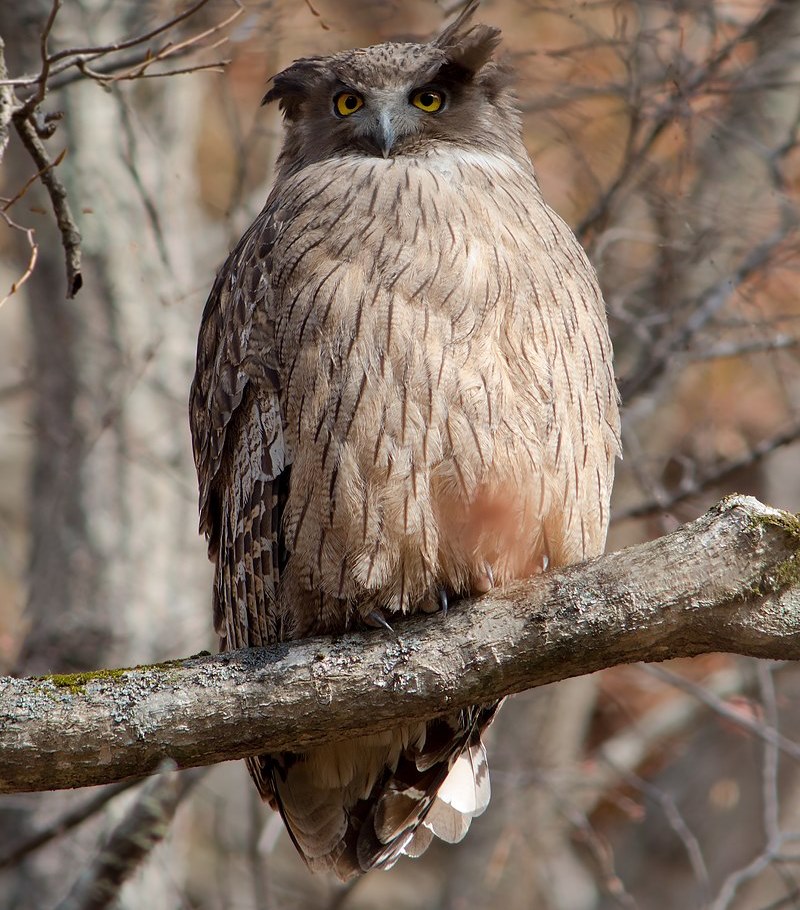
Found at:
<point>403,378</point>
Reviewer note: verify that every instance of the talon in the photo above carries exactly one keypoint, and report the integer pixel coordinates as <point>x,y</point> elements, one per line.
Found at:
<point>376,618</point>
<point>443,603</point>
<point>483,582</point>
<point>545,562</point>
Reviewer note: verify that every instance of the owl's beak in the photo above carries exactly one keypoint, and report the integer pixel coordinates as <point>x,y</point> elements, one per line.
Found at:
<point>385,133</point>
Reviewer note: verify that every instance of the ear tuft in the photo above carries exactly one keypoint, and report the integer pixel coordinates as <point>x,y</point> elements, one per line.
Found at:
<point>474,49</point>
<point>449,35</point>
<point>468,49</point>
<point>291,86</point>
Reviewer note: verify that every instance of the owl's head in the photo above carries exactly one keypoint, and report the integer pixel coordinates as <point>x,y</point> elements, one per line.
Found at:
<point>399,99</point>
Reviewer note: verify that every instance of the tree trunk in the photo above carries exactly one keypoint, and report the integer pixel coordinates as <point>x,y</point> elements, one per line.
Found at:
<point>109,523</point>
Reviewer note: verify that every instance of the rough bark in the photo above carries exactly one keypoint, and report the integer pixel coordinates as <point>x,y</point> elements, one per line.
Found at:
<point>6,102</point>
<point>726,582</point>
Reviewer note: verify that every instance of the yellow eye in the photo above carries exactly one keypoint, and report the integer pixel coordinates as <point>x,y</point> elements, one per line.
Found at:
<point>428,100</point>
<point>346,103</point>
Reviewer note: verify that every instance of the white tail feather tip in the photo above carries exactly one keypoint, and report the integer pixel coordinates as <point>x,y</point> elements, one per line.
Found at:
<point>466,788</point>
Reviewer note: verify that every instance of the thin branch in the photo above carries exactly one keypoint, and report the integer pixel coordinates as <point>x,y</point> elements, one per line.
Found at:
<point>69,62</point>
<point>736,879</point>
<point>130,156</point>
<point>742,348</point>
<point>709,303</point>
<point>710,475</point>
<point>65,823</point>
<point>41,88</point>
<point>754,868</point>
<point>664,116</point>
<point>602,854</point>
<point>162,28</point>
<point>726,582</point>
<point>106,72</point>
<point>637,743</point>
<point>75,70</point>
<point>676,821</point>
<point>70,235</point>
<point>771,753</point>
<point>142,828</point>
<point>217,66</point>
<point>721,708</point>
<point>9,202</point>
<point>34,247</point>
<point>32,127</point>
<point>169,50</point>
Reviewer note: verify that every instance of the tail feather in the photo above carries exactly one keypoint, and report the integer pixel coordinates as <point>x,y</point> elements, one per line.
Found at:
<point>361,804</point>
<point>467,788</point>
<point>447,823</point>
<point>419,842</point>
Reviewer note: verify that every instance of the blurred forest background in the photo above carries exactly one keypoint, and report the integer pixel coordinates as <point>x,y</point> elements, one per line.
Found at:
<point>666,133</point>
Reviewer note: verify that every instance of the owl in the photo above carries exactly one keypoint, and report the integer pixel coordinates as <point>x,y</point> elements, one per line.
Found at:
<point>403,395</point>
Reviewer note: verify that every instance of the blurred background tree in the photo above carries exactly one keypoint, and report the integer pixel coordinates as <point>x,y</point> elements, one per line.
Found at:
<point>666,132</point>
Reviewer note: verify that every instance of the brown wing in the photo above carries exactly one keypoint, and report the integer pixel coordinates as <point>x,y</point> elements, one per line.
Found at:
<point>239,447</point>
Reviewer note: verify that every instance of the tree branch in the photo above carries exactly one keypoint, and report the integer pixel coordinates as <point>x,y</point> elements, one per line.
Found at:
<point>729,581</point>
<point>70,234</point>
<point>64,823</point>
<point>60,69</point>
<point>6,102</point>
<point>142,828</point>
<point>703,477</point>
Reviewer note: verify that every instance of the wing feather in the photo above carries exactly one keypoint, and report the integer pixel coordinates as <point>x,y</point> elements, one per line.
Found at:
<point>238,441</point>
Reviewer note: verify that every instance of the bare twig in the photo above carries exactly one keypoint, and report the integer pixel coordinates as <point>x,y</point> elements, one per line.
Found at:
<point>718,706</point>
<point>676,102</point>
<point>774,744</point>
<point>8,203</point>
<point>603,856</point>
<point>73,56</point>
<point>633,746</point>
<point>72,64</point>
<point>771,753</point>
<point>41,81</point>
<point>144,826</point>
<point>130,159</point>
<point>142,38</point>
<point>744,348</point>
<point>105,72</point>
<point>217,66</point>
<point>169,50</point>
<point>65,823</point>
<point>34,247</point>
<point>70,235</point>
<point>707,305</point>
<point>753,869</point>
<point>707,477</point>
<point>676,821</point>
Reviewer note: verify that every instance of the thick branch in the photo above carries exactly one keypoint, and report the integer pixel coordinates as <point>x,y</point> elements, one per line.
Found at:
<point>729,581</point>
